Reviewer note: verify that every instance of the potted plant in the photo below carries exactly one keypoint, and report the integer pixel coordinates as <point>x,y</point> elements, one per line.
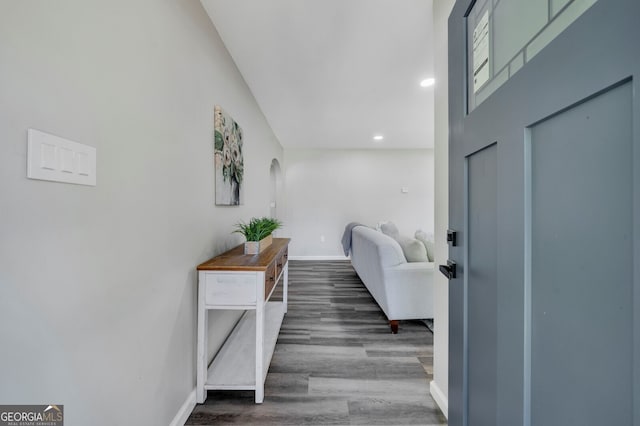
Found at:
<point>257,233</point>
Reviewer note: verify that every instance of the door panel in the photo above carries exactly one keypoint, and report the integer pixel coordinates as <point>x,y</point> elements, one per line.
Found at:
<point>544,313</point>
<point>581,263</point>
<point>483,293</point>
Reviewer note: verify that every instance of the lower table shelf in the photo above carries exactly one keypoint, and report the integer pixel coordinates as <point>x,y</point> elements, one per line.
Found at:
<point>234,367</point>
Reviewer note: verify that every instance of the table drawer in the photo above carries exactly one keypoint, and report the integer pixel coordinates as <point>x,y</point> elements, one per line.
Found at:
<point>269,280</point>
<point>281,260</point>
<point>230,288</point>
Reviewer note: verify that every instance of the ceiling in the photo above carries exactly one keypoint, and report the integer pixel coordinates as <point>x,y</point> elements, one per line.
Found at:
<point>334,73</point>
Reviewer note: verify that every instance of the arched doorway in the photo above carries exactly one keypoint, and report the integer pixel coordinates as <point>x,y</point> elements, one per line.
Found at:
<point>275,174</point>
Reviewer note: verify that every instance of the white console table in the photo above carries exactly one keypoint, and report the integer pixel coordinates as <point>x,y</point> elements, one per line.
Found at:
<point>234,280</point>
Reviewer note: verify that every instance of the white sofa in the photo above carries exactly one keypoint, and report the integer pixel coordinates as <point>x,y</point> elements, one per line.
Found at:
<point>404,290</point>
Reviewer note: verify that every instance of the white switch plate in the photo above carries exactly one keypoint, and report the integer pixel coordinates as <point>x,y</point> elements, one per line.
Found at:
<point>57,159</point>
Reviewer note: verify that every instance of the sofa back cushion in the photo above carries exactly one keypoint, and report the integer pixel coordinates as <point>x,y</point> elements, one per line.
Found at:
<point>390,229</point>
<point>413,250</point>
<point>427,240</point>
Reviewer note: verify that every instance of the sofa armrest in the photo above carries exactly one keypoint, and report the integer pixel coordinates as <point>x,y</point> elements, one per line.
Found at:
<point>409,290</point>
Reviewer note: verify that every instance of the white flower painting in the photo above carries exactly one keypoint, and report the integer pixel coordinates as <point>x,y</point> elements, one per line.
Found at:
<point>229,163</point>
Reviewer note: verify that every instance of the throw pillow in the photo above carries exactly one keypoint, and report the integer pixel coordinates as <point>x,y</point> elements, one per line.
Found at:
<point>427,240</point>
<point>390,229</point>
<point>414,250</point>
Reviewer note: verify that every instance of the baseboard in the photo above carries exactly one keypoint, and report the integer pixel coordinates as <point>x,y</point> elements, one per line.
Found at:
<point>439,397</point>
<point>318,258</point>
<point>185,411</point>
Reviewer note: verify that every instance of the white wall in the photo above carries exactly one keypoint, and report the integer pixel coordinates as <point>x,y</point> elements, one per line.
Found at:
<point>440,383</point>
<point>98,284</point>
<point>327,189</point>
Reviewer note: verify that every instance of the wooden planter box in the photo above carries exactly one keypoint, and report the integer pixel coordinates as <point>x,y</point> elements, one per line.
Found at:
<point>255,247</point>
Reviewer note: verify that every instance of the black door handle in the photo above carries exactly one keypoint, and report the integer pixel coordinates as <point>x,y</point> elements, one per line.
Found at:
<point>448,270</point>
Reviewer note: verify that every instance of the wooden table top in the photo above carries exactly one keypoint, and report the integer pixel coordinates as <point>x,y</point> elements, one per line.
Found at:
<point>236,260</point>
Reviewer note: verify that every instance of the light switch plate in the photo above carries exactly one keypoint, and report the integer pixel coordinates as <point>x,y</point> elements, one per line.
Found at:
<point>56,159</point>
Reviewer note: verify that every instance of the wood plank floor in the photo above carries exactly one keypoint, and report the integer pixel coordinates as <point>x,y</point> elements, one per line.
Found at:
<point>336,361</point>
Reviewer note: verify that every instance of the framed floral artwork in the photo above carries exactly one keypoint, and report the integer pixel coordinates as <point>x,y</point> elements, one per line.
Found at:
<point>228,160</point>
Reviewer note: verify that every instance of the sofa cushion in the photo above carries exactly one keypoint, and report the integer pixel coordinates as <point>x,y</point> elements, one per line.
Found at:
<point>414,250</point>
<point>390,229</point>
<point>427,240</point>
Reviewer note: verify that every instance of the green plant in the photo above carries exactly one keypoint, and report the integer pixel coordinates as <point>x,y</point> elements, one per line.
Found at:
<point>257,228</point>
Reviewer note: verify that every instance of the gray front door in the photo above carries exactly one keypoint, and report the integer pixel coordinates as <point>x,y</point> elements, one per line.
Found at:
<point>545,197</point>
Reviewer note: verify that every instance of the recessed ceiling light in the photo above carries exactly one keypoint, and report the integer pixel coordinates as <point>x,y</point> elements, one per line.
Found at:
<point>378,137</point>
<point>427,82</point>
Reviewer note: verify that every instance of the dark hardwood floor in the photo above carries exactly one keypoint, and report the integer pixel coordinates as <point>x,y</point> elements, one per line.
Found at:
<point>336,361</point>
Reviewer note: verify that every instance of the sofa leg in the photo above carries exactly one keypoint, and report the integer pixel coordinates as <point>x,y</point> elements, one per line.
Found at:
<point>394,326</point>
